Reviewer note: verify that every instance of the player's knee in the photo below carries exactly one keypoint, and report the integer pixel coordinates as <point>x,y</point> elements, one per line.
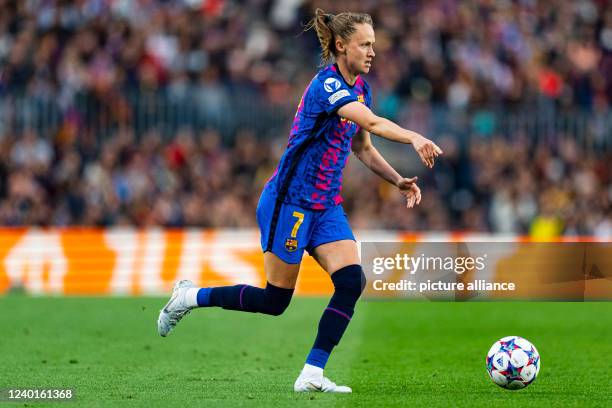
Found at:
<point>276,300</point>
<point>350,280</point>
<point>277,309</point>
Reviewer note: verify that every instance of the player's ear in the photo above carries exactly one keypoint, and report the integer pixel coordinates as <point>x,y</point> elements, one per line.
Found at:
<point>340,46</point>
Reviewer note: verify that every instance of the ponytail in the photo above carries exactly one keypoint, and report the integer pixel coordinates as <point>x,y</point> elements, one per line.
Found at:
<point>329,27</point>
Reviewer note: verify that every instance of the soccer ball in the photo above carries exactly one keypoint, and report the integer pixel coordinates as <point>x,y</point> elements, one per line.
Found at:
<point>513,363</point>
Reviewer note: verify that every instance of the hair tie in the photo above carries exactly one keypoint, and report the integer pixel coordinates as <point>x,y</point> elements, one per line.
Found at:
<point>328,18</point>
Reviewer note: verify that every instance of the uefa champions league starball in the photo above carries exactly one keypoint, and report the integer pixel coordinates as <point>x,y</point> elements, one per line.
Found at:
<point>513,363</point>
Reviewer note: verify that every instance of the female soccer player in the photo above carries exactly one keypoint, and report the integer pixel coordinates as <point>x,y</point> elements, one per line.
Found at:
<point>300,209</point>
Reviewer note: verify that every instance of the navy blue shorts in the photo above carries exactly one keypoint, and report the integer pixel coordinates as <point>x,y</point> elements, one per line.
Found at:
<point>297,229</point>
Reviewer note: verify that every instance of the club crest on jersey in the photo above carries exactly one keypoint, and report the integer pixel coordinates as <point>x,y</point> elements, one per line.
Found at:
<point>331,84</point>
<point>291,244</point>
<point>360,98</point>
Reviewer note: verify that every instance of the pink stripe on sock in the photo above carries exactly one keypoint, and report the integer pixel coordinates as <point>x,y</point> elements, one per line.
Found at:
<point>242,290</point>
<point>339,312</point>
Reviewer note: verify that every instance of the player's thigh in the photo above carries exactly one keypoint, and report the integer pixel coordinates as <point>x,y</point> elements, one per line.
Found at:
<point>333,256</point>
<point>285,231</point>
<point>280,273</point>
<point>332,242</point>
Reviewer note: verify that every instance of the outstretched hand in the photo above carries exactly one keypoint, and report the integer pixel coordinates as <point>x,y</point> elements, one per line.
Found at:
<point>426,149</point>
<point>409,189</point>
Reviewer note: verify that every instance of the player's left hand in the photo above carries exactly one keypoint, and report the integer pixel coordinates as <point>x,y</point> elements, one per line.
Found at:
<point>409,189</point>
<point>426,149</point>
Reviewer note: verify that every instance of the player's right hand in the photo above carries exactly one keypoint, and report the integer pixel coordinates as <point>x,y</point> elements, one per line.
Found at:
<point>426,149</point>
<point>409,189</point>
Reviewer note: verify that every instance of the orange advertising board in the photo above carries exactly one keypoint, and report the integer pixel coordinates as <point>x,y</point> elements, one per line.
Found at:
<point>136,262</point>
<point>125,261</point>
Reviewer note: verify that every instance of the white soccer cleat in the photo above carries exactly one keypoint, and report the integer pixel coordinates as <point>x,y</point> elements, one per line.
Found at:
<point>318,383</point>
<point>175,309</point>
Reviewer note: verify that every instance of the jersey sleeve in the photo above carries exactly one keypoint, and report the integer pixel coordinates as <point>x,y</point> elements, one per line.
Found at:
<point>333,93</point>
<point>368,95</point>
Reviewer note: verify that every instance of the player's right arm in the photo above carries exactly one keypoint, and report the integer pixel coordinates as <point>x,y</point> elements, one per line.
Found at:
<point>366,119</point>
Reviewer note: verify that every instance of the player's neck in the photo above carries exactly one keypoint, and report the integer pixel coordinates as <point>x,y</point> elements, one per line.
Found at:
<point>348,76</point>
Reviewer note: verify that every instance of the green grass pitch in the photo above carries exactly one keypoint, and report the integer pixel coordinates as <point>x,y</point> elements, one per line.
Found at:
<point>422,354</point>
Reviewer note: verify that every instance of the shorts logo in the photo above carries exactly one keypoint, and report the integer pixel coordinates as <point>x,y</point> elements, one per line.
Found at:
<point>338,95</point>
<point>291,244</point>
<point>331,84</point>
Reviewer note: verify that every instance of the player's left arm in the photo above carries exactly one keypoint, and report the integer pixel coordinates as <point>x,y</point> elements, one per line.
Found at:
<point>366,119</point>
<point>370,156</point>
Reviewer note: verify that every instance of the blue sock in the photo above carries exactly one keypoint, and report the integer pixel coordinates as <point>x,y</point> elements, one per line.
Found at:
<point>271,300</point>
<point>203,297</point>
<point>348,283</point>
<point>317,358</point>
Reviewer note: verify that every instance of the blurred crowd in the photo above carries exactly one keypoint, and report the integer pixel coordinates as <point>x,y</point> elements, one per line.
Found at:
<point>189,181</point>
<point>508,55</point>
<point>464,53</point>
<point>491,185</point>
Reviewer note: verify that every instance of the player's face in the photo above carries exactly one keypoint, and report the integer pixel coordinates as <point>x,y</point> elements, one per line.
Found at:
<point>360,50</point>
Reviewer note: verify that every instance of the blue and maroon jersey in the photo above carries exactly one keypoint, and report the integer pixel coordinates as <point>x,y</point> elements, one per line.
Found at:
<point>310,171</point>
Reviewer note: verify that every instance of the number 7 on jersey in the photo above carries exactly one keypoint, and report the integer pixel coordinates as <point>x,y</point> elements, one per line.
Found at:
<point>296,227</point>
